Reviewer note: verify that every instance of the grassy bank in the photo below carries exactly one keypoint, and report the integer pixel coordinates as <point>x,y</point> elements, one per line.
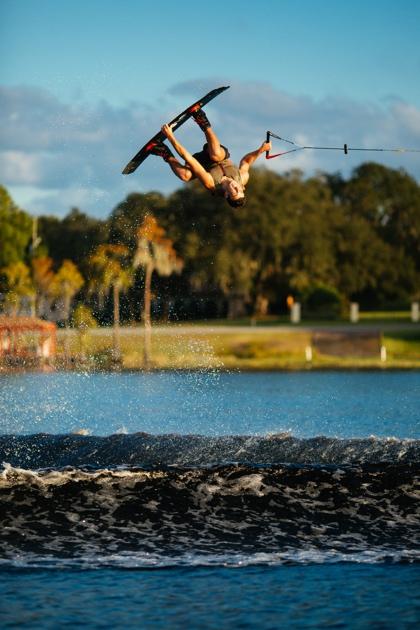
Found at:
<point>190,347</point>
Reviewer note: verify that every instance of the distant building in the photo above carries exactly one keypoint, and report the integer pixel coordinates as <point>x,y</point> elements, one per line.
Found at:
<point>27,342</point>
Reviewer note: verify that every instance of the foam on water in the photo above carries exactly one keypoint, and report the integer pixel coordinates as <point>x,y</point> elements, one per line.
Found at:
<point>158,561</point>
<point>226,514</point>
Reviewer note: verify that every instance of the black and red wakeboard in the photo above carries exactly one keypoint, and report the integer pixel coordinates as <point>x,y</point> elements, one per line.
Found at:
<point>179,120</point>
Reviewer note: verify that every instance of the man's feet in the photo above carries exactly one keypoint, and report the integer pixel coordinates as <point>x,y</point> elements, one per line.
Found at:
<point>160,149</point>
<point>200,118</point>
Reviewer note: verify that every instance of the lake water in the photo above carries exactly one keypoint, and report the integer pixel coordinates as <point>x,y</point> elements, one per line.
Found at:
<point>209,499</point>
<point>342,404</point>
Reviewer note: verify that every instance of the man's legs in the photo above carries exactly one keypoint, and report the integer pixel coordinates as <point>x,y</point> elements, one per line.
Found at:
<point>214,148</point>
<point>183,172</point>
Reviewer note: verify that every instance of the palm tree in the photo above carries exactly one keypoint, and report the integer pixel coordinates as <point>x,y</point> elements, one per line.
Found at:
<point>110,272</point>
<point>67,282</point>
<point>154,253</point>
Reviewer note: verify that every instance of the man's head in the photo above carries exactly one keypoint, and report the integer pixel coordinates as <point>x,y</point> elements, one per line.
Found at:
<point>236,203</point>
<point>234,193</point>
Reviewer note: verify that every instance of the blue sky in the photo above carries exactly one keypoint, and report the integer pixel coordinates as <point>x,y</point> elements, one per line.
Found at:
<point>85,83</point>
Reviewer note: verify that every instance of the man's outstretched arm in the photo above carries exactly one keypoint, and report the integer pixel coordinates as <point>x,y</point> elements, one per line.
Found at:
<point>199,171</point>
<point>249,159</point>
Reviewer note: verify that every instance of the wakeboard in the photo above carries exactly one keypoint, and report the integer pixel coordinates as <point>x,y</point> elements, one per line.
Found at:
<point>179,120</point>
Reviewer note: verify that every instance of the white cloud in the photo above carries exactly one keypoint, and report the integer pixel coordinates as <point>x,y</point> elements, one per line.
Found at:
<point>73,154</point>
<point>19,168</point>
<point>409,116</point>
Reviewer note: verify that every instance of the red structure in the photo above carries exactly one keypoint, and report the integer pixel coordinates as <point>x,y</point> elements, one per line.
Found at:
<point>27,341</point>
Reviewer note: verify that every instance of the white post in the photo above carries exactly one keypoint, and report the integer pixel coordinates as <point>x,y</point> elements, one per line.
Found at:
<point>354,312</point>
<point>295,313</point>
<point>383,354</point>
<point>415,312</point>
<point>308,353</point>
<point>46,348</point>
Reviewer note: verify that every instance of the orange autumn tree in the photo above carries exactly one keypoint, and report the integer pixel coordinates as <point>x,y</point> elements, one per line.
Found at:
<point>43,279</point>
<point>154,252</point>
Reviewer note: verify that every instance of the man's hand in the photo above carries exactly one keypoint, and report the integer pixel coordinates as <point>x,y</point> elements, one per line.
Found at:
<point>167,131</point>
<point>266,146</point>
<point>249,159</point>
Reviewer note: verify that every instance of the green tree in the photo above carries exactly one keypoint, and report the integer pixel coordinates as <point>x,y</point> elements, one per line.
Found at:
<point>128,216</point>
<point>378,233</point>
<point>235,273</point>
<point>322,301</point>
<point>195,220</point>
<point>283,236</point>
<point>15,230</point>
<point>72,238</point>
<point>19,288</point>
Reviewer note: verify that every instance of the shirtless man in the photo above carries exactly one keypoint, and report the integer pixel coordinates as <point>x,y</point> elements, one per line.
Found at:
<point>211,166</point>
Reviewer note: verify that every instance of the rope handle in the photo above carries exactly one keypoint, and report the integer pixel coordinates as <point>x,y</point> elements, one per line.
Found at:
<point>267,153</point>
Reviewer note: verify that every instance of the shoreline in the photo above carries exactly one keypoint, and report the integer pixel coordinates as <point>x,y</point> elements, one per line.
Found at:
<point>235,348</point>
<point>83,368</point>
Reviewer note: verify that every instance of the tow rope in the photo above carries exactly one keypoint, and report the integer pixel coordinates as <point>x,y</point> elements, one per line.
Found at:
<point>345,148</point>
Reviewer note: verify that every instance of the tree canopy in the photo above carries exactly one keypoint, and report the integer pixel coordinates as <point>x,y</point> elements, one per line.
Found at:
<point>15,230</point>
<point>358,238</point>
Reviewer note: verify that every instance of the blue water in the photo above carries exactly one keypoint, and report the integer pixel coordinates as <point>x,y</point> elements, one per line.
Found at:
<point>336,404</point>
<point>315,590</point>
<point>322,596</point>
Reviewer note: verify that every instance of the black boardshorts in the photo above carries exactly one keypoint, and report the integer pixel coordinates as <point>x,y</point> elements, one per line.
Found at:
<point>204,158</point>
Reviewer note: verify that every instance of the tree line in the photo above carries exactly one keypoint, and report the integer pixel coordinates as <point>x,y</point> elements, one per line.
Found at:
<point>325,240</point>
